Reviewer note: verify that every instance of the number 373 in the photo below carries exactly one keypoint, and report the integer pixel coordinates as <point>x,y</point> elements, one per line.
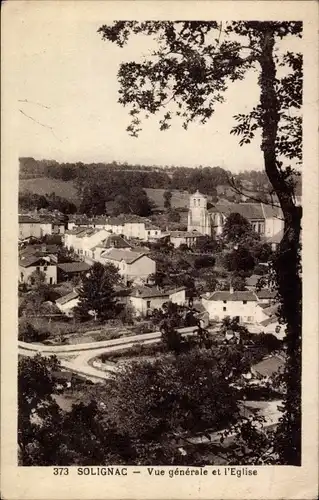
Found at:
<point>60,471</point>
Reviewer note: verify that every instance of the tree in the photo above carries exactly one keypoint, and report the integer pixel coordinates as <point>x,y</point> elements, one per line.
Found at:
<point>184,394</point>
<point>167,199</point>
<point>36,407</point>
<point>97,296</point>
<point>236,228</point>
<point>239,260</point>
<point>238,282</point>
<point>191,68</point>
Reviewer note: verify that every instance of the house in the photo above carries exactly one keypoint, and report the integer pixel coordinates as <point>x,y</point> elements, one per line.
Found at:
<point>70,270</point>
<point>82,240</point>
<point>67,303</point>
<point>189,238</point>
<point>31,263</point>
<point>272,326</point>
<point>30,226</point>
<point>131,265</point>
<point>241,304</point>
<point>111,241</point>
<point>145,299</point>
<point>152,232</point>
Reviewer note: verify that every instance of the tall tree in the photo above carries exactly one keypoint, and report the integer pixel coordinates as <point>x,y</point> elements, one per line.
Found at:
<point>97,296</point>
<point>190,69</point>
<point>167,199</point>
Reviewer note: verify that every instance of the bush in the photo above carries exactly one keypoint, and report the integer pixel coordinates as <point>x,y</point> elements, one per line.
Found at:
<point>204,261</point>
<point>28,333</point>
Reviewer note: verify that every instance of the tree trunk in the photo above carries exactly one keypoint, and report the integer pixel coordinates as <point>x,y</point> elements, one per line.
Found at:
<point>287,263</point>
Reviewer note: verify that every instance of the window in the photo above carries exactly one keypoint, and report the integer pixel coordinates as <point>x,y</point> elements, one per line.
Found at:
<point>244,302</point>
<point>155,233</point>
<point>250,319</point>
<point>224,309</point>
<point>38,268</point>
<point>148,304</point>
<point>45,268</point>
<point>148,232</point>
<point>225,301</point>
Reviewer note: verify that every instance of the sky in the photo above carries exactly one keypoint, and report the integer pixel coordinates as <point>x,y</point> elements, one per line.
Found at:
<point>68,76</point>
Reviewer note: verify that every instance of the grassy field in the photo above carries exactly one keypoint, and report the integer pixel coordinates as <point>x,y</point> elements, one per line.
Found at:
<point>43,185</point>
<point>180,199</point>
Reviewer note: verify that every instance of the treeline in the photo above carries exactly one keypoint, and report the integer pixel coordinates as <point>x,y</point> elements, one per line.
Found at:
<point>205,179</point>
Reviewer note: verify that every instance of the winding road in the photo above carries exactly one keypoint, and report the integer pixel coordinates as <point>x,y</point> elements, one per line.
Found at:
<point>77,358</point>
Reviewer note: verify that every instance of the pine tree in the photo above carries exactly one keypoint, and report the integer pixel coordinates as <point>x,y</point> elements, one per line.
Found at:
<point>97,294</point>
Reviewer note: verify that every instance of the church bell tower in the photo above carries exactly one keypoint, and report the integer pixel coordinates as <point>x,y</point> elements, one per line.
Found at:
<point>198,215</point>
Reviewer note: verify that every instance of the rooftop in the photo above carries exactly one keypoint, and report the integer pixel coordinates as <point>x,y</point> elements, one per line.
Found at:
<point>231,296</point>
<point>185,234</point>
<point>251,211</point>
<point>32,260</point>
<point>27,219</point>
<point>67,298</point>
<point>268,366</point>
<point>266,294</point>
<point>74,267</point>
<point>154,291</point>
<point>118,255</point>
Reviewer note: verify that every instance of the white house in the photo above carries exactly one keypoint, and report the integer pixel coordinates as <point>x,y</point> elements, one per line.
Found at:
<point>242,305</point>
<point>131,265</point>
<point>189,238</point>
<point>31,263</point>
<point>83,239</point>
<point>152,232</point>
<point>145,299</point>
<point>67,303</point>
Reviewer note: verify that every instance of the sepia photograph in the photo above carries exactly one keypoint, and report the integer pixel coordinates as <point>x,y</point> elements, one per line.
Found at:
<point>160,216</point>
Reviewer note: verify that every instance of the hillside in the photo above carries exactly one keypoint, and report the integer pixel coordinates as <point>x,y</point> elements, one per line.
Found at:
<point>43,185</point>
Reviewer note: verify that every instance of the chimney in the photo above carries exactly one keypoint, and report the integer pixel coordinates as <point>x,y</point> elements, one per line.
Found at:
<point>231,289</point>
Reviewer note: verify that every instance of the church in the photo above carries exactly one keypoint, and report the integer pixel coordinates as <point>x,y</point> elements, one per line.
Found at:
<point>266,220</point>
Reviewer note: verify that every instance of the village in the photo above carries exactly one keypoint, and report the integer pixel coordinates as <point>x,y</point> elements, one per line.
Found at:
<point>159,275</point>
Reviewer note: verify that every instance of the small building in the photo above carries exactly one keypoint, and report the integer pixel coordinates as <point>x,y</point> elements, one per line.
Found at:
<point>189,238</point>
<point>131,265</point>
<point>266,296</point>
<point>69,270</point>
<point>28,264</point>
<point>145,299</point>
<point>152,232</point>
<point>111,241</point>
<point>268,367</point>
<point>241,304</point>
<point>67,303</point>
<point>30,226</point>
<point>275,240</point>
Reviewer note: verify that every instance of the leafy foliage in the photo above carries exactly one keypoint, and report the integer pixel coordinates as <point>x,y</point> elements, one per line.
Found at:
<point>97,296</point>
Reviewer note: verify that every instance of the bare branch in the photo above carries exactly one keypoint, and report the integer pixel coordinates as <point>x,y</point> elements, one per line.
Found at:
<point>232,184</point>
